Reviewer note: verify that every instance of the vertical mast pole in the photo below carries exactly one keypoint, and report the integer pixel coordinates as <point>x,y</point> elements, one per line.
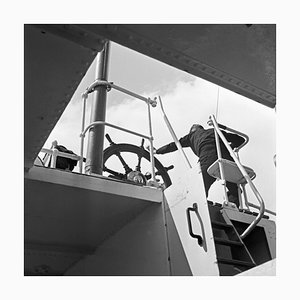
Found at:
<point>94,157</point>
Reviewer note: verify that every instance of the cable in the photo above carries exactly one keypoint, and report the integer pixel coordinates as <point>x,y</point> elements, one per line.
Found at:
<point>217,109</point>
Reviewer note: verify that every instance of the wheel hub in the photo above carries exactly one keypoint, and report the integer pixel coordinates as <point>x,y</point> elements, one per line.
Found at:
<point>136,177</point>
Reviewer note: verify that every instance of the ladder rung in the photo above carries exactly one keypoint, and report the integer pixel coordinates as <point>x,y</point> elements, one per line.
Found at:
<point>236,262</point>
<point>221,225</point>
<point>221,241</point>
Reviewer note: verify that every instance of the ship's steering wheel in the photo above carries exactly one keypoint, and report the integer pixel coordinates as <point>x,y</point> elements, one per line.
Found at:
<point>119,153</point>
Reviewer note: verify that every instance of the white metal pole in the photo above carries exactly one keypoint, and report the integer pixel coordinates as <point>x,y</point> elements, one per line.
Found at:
<point>245,196</point>
<point>54,156</point>
<point>151,143</point>
<point>176,141</point>
<point>223,182</point>
<point>84,97</point>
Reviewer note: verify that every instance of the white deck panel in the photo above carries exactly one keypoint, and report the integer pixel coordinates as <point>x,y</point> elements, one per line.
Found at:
<point>94,183</point>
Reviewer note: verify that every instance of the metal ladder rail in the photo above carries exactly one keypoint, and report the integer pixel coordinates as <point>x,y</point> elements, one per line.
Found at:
<point>246,176</point>
<point>228,221</point>
<point>236,151</point>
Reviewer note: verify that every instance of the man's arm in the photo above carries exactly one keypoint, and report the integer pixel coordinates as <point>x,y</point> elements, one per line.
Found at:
<point>184,142</point>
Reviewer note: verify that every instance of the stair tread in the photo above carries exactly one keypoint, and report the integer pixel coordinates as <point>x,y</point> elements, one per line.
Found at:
<point>223,241</point>
<point>236,262</point>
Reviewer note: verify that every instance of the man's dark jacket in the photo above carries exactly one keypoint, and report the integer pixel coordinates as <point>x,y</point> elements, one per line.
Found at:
<point>202,142</point>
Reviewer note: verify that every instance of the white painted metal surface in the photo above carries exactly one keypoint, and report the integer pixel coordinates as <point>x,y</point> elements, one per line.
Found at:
<point>266,269</point>
<point>139,248</point>
<point>115,228</point>
<point>185,191</point>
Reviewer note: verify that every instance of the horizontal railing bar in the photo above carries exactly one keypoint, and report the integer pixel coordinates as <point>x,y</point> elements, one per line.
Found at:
<point>113,126</point>
<point>97,123</point>
<point>151,101</point>
<point>233,131</point>
<point>116,87</point>
<point>257,207</point>
<point>62,154</point>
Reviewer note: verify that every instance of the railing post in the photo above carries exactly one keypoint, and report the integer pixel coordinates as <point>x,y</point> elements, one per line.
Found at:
<point>223,182</point>
<point>151,143</point>
<point>245,196</point>
<point>54,157</point>
<point>84,97</point>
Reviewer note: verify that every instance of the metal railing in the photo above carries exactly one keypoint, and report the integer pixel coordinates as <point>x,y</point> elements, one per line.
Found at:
<point>110,85</point>
<point>261,207</point>
<point>97,123</point>
<point>148,101</point>
<point>54,153</point>
<point>84,129</point>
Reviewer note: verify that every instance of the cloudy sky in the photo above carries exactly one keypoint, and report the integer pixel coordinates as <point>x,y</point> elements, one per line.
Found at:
<point>187,100</point>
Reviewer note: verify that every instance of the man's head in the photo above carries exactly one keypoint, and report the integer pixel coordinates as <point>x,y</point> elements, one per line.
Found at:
<point>195,127</point>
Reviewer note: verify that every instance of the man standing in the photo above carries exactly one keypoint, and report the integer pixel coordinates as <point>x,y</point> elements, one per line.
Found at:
<point>203,144</point>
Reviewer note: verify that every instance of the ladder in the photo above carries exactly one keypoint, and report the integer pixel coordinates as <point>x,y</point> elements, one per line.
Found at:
<point>232,254</point>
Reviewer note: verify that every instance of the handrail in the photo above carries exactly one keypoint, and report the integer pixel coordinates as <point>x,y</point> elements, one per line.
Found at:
<point>55,153</point>
<point>176,141</point>
<point>110,85</point>
<point>236,132</point>
<point>97,123</point>
<point>201,239</point>
<point>247,203</point>
<point>114,126</point>
<point>257,207</point>
<point>62,154</point>
<point>246,176</point>
<point>99,82</point>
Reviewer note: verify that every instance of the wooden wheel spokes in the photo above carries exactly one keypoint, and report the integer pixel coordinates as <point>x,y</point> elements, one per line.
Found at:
<point>136,174</point>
